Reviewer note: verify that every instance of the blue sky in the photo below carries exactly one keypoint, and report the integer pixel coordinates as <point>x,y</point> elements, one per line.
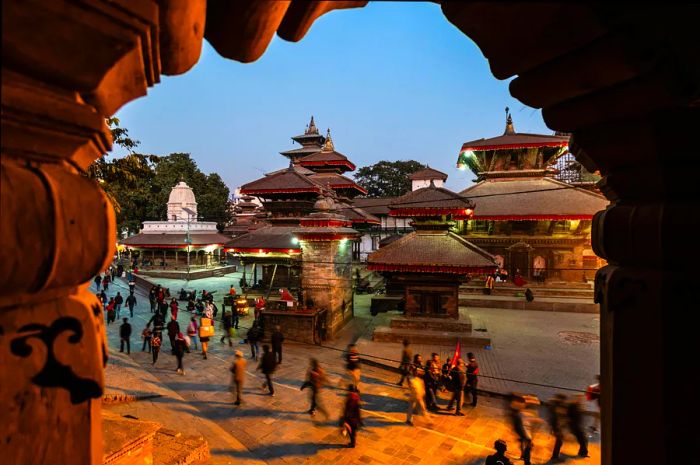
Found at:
<point>393,81</point>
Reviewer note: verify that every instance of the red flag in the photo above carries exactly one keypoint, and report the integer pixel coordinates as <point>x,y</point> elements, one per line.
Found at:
<point>455,357</point>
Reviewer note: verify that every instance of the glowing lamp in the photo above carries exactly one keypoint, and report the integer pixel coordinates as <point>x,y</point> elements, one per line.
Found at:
<point>295,240</point>
<point>260,250</point>
<point>468,212</point>
<point>461,166</point>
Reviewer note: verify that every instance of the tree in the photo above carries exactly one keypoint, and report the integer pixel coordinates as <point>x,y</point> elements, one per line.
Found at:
<point>387,178</point>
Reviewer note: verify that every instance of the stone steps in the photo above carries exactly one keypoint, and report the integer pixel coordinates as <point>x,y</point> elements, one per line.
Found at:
<point>569,304</point>
<point>431,324</point>
<point>543,291</point>
<point>418,336</point>
<point>173,448</point>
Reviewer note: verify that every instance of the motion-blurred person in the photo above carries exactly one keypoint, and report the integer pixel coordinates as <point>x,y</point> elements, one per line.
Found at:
<point>575,416</point>
<point>238,376</point>
<point>432,381</point>
<point>267,365</point>
<point>315,379</point>
<point>352,365</point>
<point>557,417</point>
<point>459,382</point>
<point>276,339</point>
<point>405,366</point>
<point>516,408</point>
<point>351,420</point>
<point>472,376</point>
<point>416,397</point>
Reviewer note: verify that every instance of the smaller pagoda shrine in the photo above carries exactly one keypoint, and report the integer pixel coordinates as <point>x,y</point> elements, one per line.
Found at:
<point>427,266</point>
<point>535,226</point>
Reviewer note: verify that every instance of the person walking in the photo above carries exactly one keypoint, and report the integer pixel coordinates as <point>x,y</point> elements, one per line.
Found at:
<point>433,372</point>
<point>472,376</point>
<point>227,325</point>
<point>267,365</point>
<point>253,336</point>
<point>416,397</point>
<point>351,420</point>
<point>405,366</point>
<point>156,342</point>
<point>556,410</point>
<point>152,299</point>
<point>352,365</point>
<point>575,417</point>
<point>103,298</point>
<point>131,303</point>
<point>105,282</point>
<point>593,395</point>
<point>499,458</point>
<point>173,308</point>
<point>259,307</point>
<point>98,281</point>
<point>146,335</point>
<point>125,336</point>
<point>315,379</point>
<point>459,380</point>
<point>111,313</point>
<point>179,351</point>
<point>173,329</point>
<point>118,301</point>
<point>192,331</point>
<point>206,330</point>
<point>516,408</point>
<point>277,338</point>
<point>132,284</point>
<point>238,376</point>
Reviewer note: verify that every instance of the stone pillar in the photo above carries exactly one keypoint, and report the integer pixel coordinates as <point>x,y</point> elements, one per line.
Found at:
<point>326,279</point>
<point>647,291</point>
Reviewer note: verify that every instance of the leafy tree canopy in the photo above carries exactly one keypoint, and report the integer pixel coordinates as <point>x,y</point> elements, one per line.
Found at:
<point>139,185</point>
<point>387,178</point>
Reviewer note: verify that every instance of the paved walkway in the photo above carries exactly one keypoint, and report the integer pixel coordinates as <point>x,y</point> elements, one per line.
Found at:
<point>277,431</point>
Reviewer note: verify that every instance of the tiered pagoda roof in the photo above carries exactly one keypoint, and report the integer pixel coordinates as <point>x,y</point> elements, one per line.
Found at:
<point>527,154</point>
<point>268,239</point>
<point>532,199</point>
<point>337,181</point>
<point>431,201</point>
<point>427,251</point>
<point>357,215</point>
<point>327,158</point>
<point>289,181</point>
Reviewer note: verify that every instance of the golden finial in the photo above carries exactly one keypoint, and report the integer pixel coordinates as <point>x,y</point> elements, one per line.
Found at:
<point>328,145</point>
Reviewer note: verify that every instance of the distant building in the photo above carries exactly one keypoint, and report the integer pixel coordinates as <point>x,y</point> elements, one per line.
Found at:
<point>532,223</point>
<point>168,244</point>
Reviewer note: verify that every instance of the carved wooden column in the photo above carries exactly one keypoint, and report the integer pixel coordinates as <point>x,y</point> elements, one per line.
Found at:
<point>65,66</point>
<point>648,291</point>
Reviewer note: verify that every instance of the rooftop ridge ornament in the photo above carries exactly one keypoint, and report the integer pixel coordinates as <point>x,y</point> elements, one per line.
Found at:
<point>311,128</point>
<point>510,130</point>
<point>328,145</point>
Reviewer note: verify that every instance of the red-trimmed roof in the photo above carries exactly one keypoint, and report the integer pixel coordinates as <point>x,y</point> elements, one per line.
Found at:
<point>430,201</point>
<point>287,181</point>
<point>336,181</point>
<point>327,158</point>
<point>431,252</point>
<point>357,215</point>
<point>270,238</point>
<point>532,199</point>
<point>516,141</point>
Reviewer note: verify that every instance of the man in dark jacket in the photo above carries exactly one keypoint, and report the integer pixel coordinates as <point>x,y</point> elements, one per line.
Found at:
<point>277,338</point>
<point>557,417</point>
<point>124,336</point>
<point>472,376</point>
<point>267,366</point>
<point>173,330</point>
<point>575,417</point>
<point>459,378</point>
<point>118,301</point>
<point>131,303</point>
<point>499,458</point>
<point>227,324</point>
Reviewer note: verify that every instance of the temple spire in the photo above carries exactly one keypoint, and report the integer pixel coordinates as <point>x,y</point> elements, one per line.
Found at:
<point>510,130</point>
<point>312,129</point>
<point>328,145</point>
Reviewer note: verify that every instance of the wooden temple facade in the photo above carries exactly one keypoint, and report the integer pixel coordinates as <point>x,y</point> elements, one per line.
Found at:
<point>534,225</point>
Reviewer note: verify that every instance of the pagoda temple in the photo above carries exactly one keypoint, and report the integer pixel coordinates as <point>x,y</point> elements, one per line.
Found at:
<point>534,225</point>
<point>182,242</point>
<point>427,266</point>
<point>271,255</point>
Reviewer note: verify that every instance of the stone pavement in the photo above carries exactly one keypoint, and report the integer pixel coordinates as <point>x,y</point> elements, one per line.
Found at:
<point>276,430</point>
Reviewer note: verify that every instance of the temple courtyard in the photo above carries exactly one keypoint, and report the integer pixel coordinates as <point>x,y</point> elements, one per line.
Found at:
<point>538,347</point>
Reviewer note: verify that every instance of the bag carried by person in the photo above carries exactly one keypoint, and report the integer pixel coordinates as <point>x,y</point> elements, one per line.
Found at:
<point>206,329</point>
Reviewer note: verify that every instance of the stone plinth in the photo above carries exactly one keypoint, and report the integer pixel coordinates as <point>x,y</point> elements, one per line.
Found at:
<point>300,326</point>
<point>439,331</point>
<point>127,441</point>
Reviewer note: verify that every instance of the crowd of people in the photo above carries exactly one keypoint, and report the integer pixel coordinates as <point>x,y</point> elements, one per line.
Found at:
<point>425,380</point>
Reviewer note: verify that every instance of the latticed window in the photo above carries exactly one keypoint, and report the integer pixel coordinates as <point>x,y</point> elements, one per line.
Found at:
<point>569,169</point>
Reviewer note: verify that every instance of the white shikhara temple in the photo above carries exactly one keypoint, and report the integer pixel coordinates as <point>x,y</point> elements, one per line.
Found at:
<point>167,244</point>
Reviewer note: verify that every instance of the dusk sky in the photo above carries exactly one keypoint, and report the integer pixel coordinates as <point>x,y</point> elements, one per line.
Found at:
<point>393,81</point>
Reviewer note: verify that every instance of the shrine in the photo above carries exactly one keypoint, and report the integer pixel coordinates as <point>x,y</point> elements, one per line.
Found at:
<point>427,266</point>
<point>271,254</point>
<point>181,245</point>
<point>534,225</point>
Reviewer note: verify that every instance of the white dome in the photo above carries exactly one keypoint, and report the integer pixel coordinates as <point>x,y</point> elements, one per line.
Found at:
<point>182,193</point>
<point>181,197</point>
